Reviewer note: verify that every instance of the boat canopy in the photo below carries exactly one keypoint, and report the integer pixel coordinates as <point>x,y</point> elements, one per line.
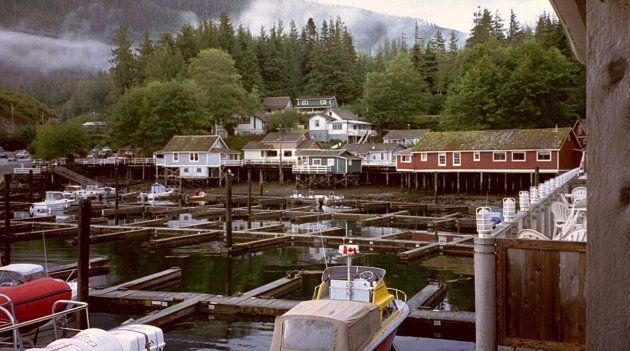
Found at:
<point>326,325</point>
<point>20,273</point>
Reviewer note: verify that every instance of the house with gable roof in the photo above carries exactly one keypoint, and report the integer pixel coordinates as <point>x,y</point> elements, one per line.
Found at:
<point>257,122</point>
<point>376,154</point>
<point>271,104</point>
<point>339,124</point>
<point>195,157</point>
<point>503,159</point>
<point>315,104</point>
<point>550,150</point>
<point>405,137</point>
<point>277,148</point>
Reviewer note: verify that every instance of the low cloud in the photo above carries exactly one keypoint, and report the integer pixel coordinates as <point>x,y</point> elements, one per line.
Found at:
<point>46,54</point>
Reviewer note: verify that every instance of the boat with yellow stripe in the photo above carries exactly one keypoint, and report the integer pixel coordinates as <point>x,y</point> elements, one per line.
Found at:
<point>352,309</point>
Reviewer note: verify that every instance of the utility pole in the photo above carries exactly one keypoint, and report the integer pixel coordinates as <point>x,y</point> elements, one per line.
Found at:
<point>280,175</point>
<point>12,121</point>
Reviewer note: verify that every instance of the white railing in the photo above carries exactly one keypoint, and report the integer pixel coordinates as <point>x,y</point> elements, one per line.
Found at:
<point>311,169</point>
<point>92,161</point>
<point>378,163</point>
<point>361,132</point>
<point>27,170</point>
<point>236,163</point>
<point>268,162</point>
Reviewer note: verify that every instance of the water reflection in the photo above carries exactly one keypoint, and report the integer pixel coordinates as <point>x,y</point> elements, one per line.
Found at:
<point>206,271</point>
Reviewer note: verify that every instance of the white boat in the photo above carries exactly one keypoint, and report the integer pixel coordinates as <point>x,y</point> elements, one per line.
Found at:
<point>352,310</point>
<point>336,208</point>
<point>159,193</point>
<point>54,204</point>
<point>20,273</point>
<point>314,199</point>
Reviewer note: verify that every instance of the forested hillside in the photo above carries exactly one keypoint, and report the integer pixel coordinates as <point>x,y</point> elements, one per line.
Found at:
<point>504,76</point>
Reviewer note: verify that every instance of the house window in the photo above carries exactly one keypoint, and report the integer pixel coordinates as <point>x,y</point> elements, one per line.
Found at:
<point>442,159</point>
<point>498,156</point>
<point>316,123</point>
<point>303,103</point>
<point>457,159</point>
<point>262,154</point>
<point>175,157</point>
<point>272,153</point>
<point>287,153</point>
<point>331,161</point>
<point>317,162</point>
<point>382,156</point>
<point>423,156</point>
<point>405,158</point>
<point>185,170</point>
<point>199,170</point>
<point>476,156</point>
<point>194,157</point>
<point>518,156</point>
<point>336,127</point>
<point>322,102</point>
<point>543,155</point>
<point>350,162</point>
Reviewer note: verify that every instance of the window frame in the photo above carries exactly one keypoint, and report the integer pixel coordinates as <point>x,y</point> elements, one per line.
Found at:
<point>524,159</point>
<point>457,158</point>
<point>424,157</point>
<point>442,159</point>
<point>476,156</point>
<point>543,152</point>
<point>496,153</point>
<point>193,157</point>
<point>176,157</point>
<point>405,158</point>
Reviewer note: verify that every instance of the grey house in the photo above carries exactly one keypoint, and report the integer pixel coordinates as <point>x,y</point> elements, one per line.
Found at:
<point>196,157</point>
<point>326,162</point>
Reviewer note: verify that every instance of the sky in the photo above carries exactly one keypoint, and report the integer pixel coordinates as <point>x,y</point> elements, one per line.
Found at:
<point>455,14</point>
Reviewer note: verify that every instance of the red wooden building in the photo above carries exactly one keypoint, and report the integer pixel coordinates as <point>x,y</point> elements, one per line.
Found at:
<point>493,160</point>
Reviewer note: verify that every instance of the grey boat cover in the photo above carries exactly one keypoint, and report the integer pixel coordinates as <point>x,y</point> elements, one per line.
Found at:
<point>326,325</point>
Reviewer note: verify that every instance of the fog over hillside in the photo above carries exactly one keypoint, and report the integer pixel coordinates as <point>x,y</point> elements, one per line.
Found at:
<point>83,41</point>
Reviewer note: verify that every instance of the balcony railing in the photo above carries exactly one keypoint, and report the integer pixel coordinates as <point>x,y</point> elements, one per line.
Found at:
<point>311,169</point>
<point>93,161</point>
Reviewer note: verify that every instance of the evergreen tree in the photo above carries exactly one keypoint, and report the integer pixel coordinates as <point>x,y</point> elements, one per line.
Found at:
<point>145,52</point>
<point>226,33</point>
<point>123,61</point>
<point>393,98</point>
<point>167,62</point>
<point>246,61</point>
<point>186,42</point>
<point>483,30</point>
<point>515,33</point>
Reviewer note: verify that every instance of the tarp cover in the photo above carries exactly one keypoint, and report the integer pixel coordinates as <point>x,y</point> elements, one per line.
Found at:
<point>330,325</point>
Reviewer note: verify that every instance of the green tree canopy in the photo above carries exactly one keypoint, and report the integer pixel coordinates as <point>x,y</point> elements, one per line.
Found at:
<point>57,139</point>
<point>395,96</point>
<point>222,92</point>
<point>149,116</point>
<point>516,86</point>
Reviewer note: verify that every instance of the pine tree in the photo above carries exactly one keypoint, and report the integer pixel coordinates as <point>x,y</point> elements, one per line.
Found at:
<point>123,61</point>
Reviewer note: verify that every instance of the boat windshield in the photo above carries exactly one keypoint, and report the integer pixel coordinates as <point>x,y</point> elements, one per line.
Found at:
<point>316,335</point>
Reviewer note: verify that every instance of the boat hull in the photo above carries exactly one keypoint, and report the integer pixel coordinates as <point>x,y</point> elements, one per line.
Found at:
<point>35,299</point>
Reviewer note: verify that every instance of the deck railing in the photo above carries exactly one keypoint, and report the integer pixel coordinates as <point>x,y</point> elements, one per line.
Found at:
<point>93,161</point>
<point>311,169</point>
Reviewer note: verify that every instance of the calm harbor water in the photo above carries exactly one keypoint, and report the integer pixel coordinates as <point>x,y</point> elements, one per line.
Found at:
<point>204,270</point>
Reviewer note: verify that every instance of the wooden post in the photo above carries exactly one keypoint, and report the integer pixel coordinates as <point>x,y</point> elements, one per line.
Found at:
<point>481,183</point>
<point>6,259</point>
<point>116,194</point>
<point>536,176</point>
<point>85,209</point>
<point>435,186</point>
<point>260,182</point>
<point>228,209</point>
<point>249,198</point>
<point>30,185</point>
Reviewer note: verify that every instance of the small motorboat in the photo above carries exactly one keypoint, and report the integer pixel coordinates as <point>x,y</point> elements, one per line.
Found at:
<point>54,204</point>
<point>159,193</point>
<point>352,310</point>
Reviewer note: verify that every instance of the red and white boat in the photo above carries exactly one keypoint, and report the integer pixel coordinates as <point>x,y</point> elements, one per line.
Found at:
<point>352,310</point>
